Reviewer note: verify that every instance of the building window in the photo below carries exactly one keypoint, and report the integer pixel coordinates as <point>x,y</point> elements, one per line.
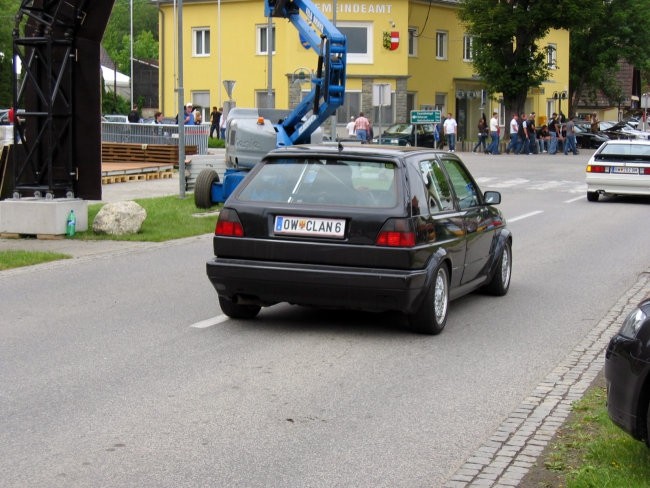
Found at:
<point>550,108</point>
<point>468,52</point>
<point>262,99</point>
<point>441,102</point>
<point>413,41</point>
<point>351,107</point>
<point>201,41</point>
<point>551,56</point>
<point>359,35</point>
<point>201,101</point>
<point>262,41</point>
<point>441,45</point>
<point>410,103</point>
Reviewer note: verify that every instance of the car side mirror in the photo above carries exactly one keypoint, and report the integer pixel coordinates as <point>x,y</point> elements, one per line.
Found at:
<point>492,197</point>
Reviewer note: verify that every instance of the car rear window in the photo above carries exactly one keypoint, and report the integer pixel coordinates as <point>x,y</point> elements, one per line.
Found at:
<point>323,181</point>
<point>624,152</point>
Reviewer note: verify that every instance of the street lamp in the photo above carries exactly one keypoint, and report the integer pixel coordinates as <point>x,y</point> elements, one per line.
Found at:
<point>560,96</point>
<point>131,50</point>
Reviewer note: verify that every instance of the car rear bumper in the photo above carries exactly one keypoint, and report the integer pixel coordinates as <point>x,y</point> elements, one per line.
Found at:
<point>265,283</point>
<point>636,185</point>
<point>625,378</point>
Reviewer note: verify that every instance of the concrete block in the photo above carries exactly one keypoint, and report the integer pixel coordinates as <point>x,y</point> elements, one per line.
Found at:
<point>41,216</point>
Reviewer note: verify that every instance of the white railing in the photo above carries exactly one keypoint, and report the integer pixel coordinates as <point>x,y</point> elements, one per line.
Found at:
<point>195,135</point>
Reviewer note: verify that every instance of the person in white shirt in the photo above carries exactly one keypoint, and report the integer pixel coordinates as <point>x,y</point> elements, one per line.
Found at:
<point>514,138</point>
<point>450,127</point>
<point>493,148</point>
<point>350,127</point>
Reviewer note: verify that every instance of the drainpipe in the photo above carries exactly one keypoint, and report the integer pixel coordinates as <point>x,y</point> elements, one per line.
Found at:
<point>161,55</point>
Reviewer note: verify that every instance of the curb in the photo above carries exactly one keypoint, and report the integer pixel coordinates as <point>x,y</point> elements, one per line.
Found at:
<point>506,457</point>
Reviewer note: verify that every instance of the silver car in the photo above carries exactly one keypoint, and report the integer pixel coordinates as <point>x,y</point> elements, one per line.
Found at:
<point>619,167</point>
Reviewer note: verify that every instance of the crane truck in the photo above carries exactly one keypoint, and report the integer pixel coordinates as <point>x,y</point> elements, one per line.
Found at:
<point>251,133</point>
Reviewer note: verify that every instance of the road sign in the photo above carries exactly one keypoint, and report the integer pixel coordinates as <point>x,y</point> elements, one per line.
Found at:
<point>645,100</point>
<point>425,116</point>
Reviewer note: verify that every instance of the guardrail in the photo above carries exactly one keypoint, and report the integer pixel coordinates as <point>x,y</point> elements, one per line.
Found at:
<point>195,135</point>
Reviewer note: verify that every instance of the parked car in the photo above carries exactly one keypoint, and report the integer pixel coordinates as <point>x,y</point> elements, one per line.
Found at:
<point>405,135</point>
<point>622,130</point>
<point>116,118</point>
<point>587,139</point>
<point>359,227</point>
<point>627,371</point>
<point>619,167</point>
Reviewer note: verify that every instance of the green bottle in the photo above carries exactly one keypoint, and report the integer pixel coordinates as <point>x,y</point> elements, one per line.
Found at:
<point>71,224</point>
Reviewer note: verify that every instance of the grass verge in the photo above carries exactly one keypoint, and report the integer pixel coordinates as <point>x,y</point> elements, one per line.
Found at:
<point>589,451</point>
<point>17,259</point>
<point>167,218</point>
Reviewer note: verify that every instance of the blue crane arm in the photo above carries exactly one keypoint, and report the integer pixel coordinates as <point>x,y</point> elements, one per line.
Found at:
<point>328,81</point>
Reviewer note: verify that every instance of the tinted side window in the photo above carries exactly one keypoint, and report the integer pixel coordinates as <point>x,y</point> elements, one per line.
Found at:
<point>418,192</point>
<point>465,189</point>
<point>439,192</point>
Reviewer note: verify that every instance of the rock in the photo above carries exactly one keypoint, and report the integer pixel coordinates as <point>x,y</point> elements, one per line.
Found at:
<point>119,218</point>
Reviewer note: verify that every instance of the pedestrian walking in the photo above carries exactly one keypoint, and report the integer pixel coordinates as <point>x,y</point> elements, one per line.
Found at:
<point>450,128</point>
<point>350,127</point>
<point>482,134</point>
<point>494,134</point>
<point>215,119</point>
<point>513,145</point>
<point>524,141</point>
<point>532,134</point>
<point>361,126</point>
<point>570,139</point>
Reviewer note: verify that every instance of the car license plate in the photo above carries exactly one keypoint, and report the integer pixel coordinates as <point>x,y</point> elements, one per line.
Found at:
<point>625,170</point>
<point>309,226</point>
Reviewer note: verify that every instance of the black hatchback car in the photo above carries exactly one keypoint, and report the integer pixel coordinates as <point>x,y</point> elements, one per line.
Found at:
<point>627,370</point>
<point>360,227</point>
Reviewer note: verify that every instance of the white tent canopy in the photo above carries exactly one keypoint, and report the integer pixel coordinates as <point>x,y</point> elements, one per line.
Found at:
<point>114,80</point>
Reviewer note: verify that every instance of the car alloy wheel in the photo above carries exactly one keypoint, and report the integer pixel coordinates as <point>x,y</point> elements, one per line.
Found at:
<point>500,282</point>
<point>431,317</point>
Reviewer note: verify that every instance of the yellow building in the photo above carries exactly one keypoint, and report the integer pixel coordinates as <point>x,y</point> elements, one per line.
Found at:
<point>419,49</point>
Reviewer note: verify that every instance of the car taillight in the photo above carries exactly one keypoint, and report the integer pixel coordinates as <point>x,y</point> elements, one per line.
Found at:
<point>229,224</point>
<point>594,168</point>
<point>396,233</point>
<point>645,171</point>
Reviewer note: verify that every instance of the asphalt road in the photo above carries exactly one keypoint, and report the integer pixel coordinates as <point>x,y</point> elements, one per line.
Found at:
<point>119,369</point>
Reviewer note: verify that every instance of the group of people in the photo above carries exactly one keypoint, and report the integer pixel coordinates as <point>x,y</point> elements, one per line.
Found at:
<point>191,116</point>
<point>217,122</point>
<point>525,138</point>
<point>361,128</point>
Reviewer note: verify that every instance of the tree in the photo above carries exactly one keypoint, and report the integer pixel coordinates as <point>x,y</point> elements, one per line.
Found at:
<point>614,30</point>
<point>144,47</point>
<point>9,9</point>
<point>506,51</point>
<point>116,39</point>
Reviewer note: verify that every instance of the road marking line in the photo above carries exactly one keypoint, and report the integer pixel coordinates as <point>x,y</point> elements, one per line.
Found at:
<point>582,197</point>
<point>525,216</point>
<point>204,324</point>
